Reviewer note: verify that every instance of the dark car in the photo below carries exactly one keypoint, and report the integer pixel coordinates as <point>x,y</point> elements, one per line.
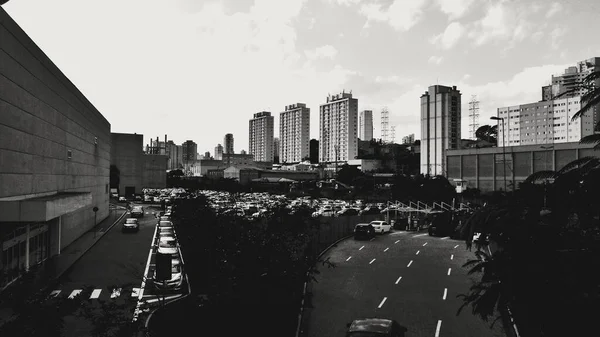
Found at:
<point>441,224</point>
<point>375,327</point>
<point>364,231</point>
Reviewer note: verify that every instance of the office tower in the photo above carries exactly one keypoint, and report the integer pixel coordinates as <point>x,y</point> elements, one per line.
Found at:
<point>294,124</point>
<point>190,149</point>
<point>440,127</point>
<point>365,125</point>
<point>219,152</point>
<point>338,126</point>
<point>228,144</point>
<point>261,136</point>
<point>544,122</point>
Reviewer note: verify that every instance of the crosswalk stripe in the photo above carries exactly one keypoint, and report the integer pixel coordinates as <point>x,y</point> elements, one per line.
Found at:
<point>135,292</point>
<point>95,293</point>
<point>75,293</point>
<point>55,293</point>
<point>115,293</point>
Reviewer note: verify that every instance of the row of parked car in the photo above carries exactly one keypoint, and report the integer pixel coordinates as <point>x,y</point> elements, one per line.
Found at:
<point>167,244</point>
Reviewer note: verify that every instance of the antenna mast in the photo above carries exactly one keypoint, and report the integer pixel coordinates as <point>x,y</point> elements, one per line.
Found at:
<point>385,122</point>
<point>473,116</point>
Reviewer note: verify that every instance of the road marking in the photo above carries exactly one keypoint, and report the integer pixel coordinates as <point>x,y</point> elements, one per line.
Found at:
<point>451,256</point>
<point>445,293</point>
<point>414,236</point>
<point>454,248</point>
<point>409,264</point>
<point>74,293</point>
<point>55,293</point>
<point>361,248</point>
<point>445,238</point>
<point>140,292</point>
<point>160,299</point>
<point>348,259</point>
<point>449,269</point>
<point>372,261</point>
<point>425,244</point>
<point>417,252</point>
<point>385,250</point>
<point>95,293</point>
<point>115,293</point>
<point>398,280</point>
<point>437,330</point>
<point>382,301</point>
<point>135,292</point>
<point>372,239</point>
<point>396,241</point>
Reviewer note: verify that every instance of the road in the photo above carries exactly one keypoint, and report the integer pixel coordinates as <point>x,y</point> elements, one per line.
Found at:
<point>115,269</point>
<point>412,278</point>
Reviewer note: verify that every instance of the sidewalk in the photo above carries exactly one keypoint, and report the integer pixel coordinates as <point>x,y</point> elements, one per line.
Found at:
<point>45,276</point>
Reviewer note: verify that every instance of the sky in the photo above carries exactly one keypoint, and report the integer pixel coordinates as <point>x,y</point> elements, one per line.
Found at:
<point>198,69</point>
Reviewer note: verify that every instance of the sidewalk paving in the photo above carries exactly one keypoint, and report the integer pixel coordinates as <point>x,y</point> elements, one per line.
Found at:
<point>45,276</point>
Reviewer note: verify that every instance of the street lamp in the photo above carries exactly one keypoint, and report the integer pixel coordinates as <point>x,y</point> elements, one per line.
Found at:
<point>503,149</point>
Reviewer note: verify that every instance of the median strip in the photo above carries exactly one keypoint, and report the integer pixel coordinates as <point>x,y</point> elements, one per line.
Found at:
<point>382,301</point>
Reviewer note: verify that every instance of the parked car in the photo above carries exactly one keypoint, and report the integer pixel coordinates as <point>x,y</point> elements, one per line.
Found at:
<point>122,199</point>
<point>130,225</point>
<point>347,212</point>
<point>381,226</point>
<point>167,245</point>
<point>166,231</point>
<point>176,278</point>
<point>375,327</point>
<point>441,224</point>
<point>137,212</point>
<point>165,224</point>
<point>364,231</point>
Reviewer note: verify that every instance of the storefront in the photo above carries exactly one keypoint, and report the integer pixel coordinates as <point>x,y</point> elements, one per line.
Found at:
<point>23,248</point>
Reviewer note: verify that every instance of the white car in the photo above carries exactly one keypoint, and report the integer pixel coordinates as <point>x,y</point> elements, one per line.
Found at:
<point>176,278</point>
<point>381,226</point>
<point>167,245</point>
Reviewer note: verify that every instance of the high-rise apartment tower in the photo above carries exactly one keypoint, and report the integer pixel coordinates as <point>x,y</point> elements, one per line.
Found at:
<point>261,136</point>
<point>294,137</point>
<point>365,125</point>
<point>338,128</point>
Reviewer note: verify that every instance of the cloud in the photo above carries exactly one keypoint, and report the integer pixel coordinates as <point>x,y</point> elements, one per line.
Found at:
<point>401,15</point>
<point>556,36</point>
<point>449,37</point>
<point>455,9</point>
<point>554,9</point>
<point>435,59</point>
<point>344,2</point>
<point>326,51</point>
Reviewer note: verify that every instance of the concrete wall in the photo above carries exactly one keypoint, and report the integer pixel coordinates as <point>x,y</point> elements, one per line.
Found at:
<point>126,155</point>
<point>484,168</point>
<point>154,171</point>
<point>42,117</point>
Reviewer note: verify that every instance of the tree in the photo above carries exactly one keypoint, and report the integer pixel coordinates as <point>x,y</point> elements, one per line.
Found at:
<point>174,178</point>
<point>487,133</point>
<point>347,174</point>
<point>115,176</point>
<point>540,247</point>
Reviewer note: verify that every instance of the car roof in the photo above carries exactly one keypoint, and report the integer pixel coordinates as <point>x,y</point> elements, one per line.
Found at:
<point>379,325</point>
<point>132,219</point>
<point>377,221</point>
<point>363,224</point>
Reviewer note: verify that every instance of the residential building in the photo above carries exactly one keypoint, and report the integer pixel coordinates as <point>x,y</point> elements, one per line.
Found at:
<point>294,126</point>
<point>243,152</point>
<point>440,126</point>
<point>338,128</point>
<point>219,152</point>
<point>261,136</point>
<point>276,147</point>
<point>365,125</point>
<point>228,143</point>
<point>54,157</point>
<point>190,150</point>
<point>207,155</point>
<point>410,139</point>
<point>545,122</point>
<point>568,84</point>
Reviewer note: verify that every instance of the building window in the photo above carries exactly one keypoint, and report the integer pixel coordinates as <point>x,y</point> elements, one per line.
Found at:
<point>69,154</point>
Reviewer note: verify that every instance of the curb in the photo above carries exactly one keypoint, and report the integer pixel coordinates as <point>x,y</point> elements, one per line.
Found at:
<point>88,248</point>
<point>306,282</point>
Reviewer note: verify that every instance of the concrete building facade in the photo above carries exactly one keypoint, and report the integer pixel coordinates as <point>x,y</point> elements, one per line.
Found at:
<point>294,133</point>
<point>338,128</point>
<point>228,143</point>
<point>483,168</point>
<point>54,156</point>
<point>261,133</point>
<point>175,155</point>
<point>190,151</point>
<point>218,152</point>
<point>440,126</point>
<point>408,140</point>
<point>365,125</point>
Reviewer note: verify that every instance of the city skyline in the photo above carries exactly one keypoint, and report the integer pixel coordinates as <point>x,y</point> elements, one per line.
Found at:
<point>527,41</point>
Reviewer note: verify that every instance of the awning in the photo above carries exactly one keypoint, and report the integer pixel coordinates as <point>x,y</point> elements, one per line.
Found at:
<point>45,208</point>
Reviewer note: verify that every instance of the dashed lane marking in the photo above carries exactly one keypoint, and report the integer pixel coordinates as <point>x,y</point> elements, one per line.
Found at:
<point>414,236</point>
<point>382,302</point>
<point>445,238</point>
<point>361,248</point>
<point>396,241</point>
<point>372,261</point>
<point>449,270</point>
<point>348,259</point>
<point>75,293</point>
<point>451,256</point>
<point>115,293</point>
<point>372,239</point>
<point>417,252</point>
<point>445,293</point>
<point>454,248</point>
<point>411,261</point>
<point>425,244</point>
<point>438,328</point>
<point>55,293</point>
<point>385,250</point>
<point>398,280</point>
<point>160,299</point>
<point>95,293</point>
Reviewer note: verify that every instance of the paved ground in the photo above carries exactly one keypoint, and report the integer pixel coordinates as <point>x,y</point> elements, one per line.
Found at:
<point>412,278</point>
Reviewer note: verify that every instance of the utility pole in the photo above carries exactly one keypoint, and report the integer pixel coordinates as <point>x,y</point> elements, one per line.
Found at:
<point>385,121</point>
<point>503,149</point>
<point>337,149</point>
<point>474,116</point>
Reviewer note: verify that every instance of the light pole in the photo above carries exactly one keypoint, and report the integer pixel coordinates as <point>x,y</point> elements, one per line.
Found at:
<point>503,149</point>
<point>337,149</point>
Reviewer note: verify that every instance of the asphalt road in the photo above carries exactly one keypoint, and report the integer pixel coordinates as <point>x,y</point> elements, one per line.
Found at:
<point>112,270</point>
<point>412,278</point>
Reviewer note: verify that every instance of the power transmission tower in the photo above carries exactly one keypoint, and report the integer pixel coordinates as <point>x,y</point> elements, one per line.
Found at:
<point>393,134</point>
<point>473,116</point>
<point>385,122</point>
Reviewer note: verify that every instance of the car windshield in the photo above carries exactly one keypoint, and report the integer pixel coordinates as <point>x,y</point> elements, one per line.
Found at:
<point>131,221</point>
